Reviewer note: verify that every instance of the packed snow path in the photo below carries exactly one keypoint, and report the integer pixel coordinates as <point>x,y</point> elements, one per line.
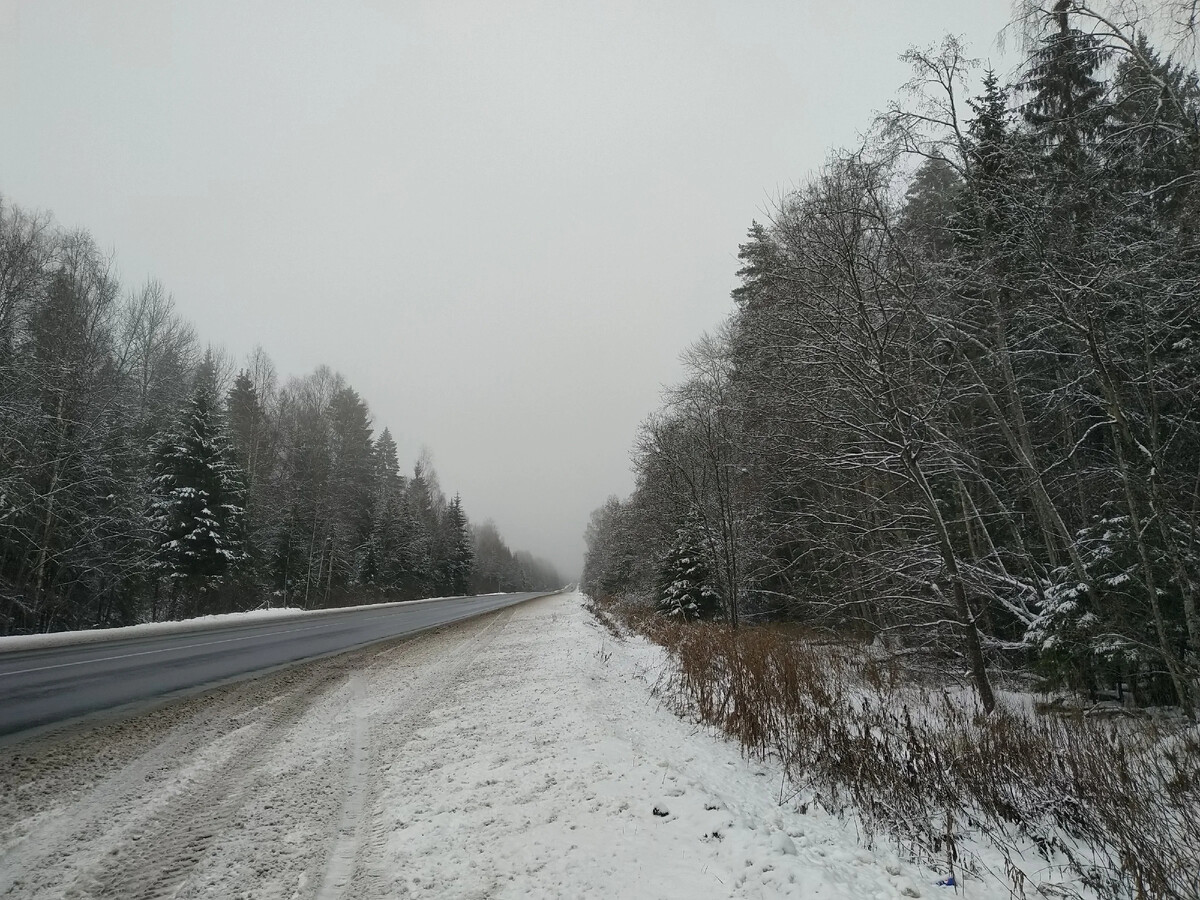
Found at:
<point>517,754</point>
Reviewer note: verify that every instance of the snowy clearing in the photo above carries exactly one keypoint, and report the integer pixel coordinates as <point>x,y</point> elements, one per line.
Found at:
<point>517,754</point>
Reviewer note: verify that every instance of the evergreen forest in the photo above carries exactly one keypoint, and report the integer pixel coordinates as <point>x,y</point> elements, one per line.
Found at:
<point>144,477</point>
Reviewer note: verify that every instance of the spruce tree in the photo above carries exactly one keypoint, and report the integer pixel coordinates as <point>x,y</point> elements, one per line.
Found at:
<point>420,528</point>
<point>1065,107</point>
<point>992,163</point>
<point>460,560</point>
<point>929,221</point>
<point>250,438</point>
<point>197,508</point>
<point>1156,140</point>
<point>385,561</point>
<point>247,424</point>
<point>386,462</point>
<point>685,584</point>
<point>350,486</point>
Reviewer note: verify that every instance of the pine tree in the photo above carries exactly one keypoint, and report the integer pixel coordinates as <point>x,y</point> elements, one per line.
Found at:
<point>420,527</point>
<point>385,561</point>
<point>351,486</point>
<point>249,434</point>
<point>197,503</point>
<point>386,461</point>
<point>932,200</point>
<point>248,427</point>
<point>460,561</point>
<point>989,129</point>
<point>1156,141</point>
<point>763,273</point>
<point>991,163</point>
<point>685,585</point>
<point>1065,107</point>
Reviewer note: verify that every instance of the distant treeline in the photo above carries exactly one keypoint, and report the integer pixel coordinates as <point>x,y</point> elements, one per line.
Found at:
<point>957,404</point>
<point>144,478</point>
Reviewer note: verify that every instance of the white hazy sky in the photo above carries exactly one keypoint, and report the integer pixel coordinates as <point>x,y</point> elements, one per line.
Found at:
<point>502,221</point>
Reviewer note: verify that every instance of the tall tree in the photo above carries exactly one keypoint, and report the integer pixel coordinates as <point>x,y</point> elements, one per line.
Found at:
<point>197,509</point>
<point>460,559</point>
<point>351,482</point>
<point>1065,107</point>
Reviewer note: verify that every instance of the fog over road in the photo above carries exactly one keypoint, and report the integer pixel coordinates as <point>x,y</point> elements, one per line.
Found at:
<point>51,684</point>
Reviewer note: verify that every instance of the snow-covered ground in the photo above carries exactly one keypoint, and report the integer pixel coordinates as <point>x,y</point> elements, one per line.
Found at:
<point>517,754</point>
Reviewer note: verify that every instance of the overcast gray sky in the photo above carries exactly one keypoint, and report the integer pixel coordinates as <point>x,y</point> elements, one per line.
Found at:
<point>501,221</point>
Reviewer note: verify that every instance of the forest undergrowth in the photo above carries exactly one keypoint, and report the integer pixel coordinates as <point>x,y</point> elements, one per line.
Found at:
<point>1061,803</point>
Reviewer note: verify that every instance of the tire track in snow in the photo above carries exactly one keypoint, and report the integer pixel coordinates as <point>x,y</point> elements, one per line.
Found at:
<point>340,867</point>
<point>155,856</point>
<point>209,796</point>
<point>397,723</point>
<point>113,802</point>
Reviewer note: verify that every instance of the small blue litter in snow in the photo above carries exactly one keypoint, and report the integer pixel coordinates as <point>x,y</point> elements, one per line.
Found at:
<point>948,881</point>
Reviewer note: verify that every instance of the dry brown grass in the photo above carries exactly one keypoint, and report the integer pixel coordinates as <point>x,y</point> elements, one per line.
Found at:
<point>1112,805</point>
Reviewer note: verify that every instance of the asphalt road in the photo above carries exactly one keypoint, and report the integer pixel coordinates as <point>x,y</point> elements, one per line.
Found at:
<point>51,685</point>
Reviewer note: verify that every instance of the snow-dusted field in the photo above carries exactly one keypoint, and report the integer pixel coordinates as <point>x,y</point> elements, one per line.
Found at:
<point>517,754</point>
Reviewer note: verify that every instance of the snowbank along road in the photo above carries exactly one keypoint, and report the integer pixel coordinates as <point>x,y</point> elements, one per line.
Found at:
<point>61,676</point>
<point>520,753</point>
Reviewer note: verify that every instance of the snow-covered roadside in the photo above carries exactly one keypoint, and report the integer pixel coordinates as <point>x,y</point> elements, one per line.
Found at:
<point>554,772</point>
<point>518,754</point>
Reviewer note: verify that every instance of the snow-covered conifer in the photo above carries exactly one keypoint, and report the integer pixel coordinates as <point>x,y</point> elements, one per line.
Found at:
<point>685,587</point>
<point>197,507</point>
